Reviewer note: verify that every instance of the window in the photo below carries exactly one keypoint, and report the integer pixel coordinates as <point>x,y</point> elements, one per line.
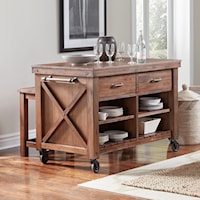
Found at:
<point>177,18</point>
<point>152,18</point>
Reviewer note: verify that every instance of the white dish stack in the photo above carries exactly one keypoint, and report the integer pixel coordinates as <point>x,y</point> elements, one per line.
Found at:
<point>113,111</point>
<point>112,135</point>
<point>150,103</point>
<point>116,135</point>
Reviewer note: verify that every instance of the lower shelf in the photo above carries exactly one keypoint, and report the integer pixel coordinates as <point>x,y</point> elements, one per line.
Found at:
<point>127,143</point>
<point>31,143</point>
<point>109,146</point>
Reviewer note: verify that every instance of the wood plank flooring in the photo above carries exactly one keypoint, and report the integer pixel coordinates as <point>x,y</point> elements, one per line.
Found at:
<point>27,178</point>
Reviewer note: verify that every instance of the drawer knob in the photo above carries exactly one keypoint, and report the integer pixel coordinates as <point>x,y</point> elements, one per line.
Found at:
<point>116,85</point>
<point>155,80</point>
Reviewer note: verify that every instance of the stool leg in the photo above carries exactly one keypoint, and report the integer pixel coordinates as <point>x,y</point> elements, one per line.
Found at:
<point>23,124</point>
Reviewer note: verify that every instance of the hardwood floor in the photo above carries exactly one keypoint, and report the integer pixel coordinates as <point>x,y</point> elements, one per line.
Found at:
<point>27,178</point>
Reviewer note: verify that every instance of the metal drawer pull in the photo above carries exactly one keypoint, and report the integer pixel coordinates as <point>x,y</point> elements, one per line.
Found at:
<point>156,80</point>
<point>115,85</point>
<point>66,80</point>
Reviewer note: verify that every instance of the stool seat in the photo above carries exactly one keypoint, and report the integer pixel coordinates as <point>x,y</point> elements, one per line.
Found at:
<point>25,95</point>
<point>27,91</point>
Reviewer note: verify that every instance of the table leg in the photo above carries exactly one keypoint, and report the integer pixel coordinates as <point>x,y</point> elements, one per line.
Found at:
<point>23,124</point>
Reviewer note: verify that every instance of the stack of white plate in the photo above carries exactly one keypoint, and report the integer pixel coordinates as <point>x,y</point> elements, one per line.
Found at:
<point>113,111</point>
<point>103,137</point>
<point>150,103</point>
<point>116,135</point>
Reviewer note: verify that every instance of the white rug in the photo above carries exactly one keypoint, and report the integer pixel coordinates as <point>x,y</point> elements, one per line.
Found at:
<point>113,183</point>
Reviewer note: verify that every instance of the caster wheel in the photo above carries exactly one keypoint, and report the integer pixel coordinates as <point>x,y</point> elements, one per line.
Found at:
<point>44,156</point>
<point>174,145</point>
<point>95,166</point>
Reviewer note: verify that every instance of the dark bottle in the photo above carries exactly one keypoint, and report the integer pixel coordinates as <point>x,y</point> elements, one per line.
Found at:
<point>107,40</point>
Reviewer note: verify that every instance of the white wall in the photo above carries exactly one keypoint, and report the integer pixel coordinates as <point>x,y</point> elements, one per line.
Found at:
<point>119,20</point>
<point>196,42</point>
<point>28,35</point>
<point>186,41</point>
<point>183,39</point>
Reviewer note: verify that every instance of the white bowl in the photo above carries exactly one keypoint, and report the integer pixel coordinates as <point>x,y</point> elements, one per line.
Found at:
<point>148,101</point>
<point>113,111</point>
<point>79,59</point>
<point>103,137</point>
<point>148,125</point>
<point>116,135</point>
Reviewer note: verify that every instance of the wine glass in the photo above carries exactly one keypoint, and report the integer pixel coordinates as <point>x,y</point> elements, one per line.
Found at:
<point>98,50</point>
<point>110,50</point>
<point>131,50</point>
<point>121,50</point>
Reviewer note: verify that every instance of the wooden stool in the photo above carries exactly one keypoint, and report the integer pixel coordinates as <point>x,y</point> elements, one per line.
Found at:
<point>25,95</point>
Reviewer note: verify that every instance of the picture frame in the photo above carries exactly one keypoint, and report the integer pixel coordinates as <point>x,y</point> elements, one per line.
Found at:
<point>81,23</point>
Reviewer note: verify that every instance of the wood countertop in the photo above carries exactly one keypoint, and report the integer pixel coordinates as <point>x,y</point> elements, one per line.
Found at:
<point>104,69</point>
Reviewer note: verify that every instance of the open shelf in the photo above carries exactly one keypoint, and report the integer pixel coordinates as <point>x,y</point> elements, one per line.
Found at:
<point>155,112</point>
<point>127,143</point>
<point>31,143</point>
<point>116,119</point>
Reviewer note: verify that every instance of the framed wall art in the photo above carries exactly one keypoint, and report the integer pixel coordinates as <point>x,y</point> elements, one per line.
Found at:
<point>81,23</point>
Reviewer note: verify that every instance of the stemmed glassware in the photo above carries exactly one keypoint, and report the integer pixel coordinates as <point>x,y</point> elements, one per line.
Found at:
<point>121,50</point>
<point>110,50</point>
<point>131,51</point>
<point>98,50</point>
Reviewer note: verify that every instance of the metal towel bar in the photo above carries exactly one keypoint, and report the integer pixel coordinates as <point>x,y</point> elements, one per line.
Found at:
<point>66,80</point>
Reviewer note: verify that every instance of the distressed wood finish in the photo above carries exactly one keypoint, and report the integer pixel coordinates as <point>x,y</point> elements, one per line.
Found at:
<point>67,113</point>
<point>107,84</point>
<point>163,82</point>
<point>26,178</point>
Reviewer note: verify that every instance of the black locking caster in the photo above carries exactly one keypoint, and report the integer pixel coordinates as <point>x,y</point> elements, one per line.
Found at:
<point>44,156</point>
<point>174,145</point>
<point>95,165</point>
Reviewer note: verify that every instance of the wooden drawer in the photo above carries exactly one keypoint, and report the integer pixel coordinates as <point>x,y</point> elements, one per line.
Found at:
<point>153,82</point>
<point>117,85</point>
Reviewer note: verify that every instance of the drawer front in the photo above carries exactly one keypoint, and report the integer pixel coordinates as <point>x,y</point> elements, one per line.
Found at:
<point>117,85</point>
<point>155,82</point>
